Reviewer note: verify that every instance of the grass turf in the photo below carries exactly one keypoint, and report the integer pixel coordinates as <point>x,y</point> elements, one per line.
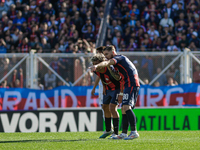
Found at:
<point>89,140</point>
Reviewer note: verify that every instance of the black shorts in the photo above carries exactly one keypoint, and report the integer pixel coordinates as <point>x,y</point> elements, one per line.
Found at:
<point>111,97</point>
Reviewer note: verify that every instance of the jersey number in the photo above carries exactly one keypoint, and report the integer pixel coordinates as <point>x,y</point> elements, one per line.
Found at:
<point>125,96</point>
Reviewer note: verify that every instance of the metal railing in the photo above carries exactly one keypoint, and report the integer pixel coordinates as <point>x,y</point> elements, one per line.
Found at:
<point>72,69</point>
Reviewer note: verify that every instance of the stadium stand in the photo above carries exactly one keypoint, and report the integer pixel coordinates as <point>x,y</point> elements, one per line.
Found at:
<point>71,26</point>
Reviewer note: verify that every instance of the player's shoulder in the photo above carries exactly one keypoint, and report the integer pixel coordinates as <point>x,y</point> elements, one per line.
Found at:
<point>119,56</point>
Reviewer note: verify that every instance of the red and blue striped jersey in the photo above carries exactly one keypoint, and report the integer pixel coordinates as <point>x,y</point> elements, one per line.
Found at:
<point>127,71</point>
<point>106,78</point>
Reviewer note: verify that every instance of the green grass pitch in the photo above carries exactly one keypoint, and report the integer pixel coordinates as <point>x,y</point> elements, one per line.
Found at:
<point>159,140</point>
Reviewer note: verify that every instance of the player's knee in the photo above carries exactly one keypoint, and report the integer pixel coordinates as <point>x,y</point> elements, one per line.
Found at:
<point>126,107</point>
<point>105,107</point>
<point>112,107</point>
<point>123,111</point>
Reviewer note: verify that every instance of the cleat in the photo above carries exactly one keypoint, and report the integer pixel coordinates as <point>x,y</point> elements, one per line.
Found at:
<point>112,136</point>
<point>105,134</point>
<point>121,136</point>
<point>132,135</point>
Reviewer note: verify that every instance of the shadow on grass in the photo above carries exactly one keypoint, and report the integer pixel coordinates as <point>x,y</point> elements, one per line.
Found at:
<point>45,140</point>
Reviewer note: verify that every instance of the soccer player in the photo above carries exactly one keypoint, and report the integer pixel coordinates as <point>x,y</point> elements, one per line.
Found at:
<point>111,88</point>
<point>129,74</point>
<point>97,81</point>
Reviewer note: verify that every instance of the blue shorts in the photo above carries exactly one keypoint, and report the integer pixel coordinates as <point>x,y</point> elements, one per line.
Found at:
<point>130,96</point>
<point>111,97</point>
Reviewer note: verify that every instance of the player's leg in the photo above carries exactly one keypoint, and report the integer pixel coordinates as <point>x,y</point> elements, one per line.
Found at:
<point>125,125</point>
<point>128,102</point>
<point>113,109</point>
<point>107,115</point>
<point>101,100</point>
<point>115,117</point>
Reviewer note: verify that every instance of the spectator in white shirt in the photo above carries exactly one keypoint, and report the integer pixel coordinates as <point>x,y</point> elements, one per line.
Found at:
<point>172,47</point>
<point>167,21</point>
<point>152,32</point>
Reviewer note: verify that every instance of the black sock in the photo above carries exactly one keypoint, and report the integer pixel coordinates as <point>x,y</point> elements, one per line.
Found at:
<point>116,125</point>
<point>108,124</point>
<point>131,119</point>
<point>125,123</point>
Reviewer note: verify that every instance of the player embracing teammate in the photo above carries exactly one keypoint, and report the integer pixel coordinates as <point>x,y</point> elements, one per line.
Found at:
<point>130,82</point>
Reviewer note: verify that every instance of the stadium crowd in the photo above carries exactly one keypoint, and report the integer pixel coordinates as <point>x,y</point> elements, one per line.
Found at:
<point>68,26</point>
<point>71,26</point>
<point>155,25</point>
<point>49,25</point>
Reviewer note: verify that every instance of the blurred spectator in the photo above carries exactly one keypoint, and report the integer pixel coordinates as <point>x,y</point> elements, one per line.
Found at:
<point>132,45</point>
<point>25,14</point>
<point>78,21</point>
<point>158,45</point>
<point>146,81</point>
<point>162,79</point>
<point>194,41</point>
<point>152,32</point>
<point>156,84</point>
<point>4,84</point>
<point>114,27</point>
<point>171,82</point>
<point>172,47</point>
<point>141,4</point>
<point>169,10</point>
<point>50,79</point>
<point>132,21</point>
<point>45,46</point>
<point>116,14</point>
<point>89,35</point>
<point>18,21</point>
<point>17,79</point>
<point>15,35</point>
<point>171,71</point>
<point>8,3</point>
<point>3,46</point>
<point>85,27</point>
<point>3,7</point>
<point>183,42</point>
<point>24,47</point>
<point>196,74</point>
<point>167,21</point>
<point>116,40</point>
<point>147,67</point>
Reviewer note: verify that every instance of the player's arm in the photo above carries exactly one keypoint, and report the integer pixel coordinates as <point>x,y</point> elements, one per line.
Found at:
<point>120,96</point>
<point>122,86</point>
<point>114,73</point>
<point>95,84</point>
<point>104,88</point>
<point>102,64</point>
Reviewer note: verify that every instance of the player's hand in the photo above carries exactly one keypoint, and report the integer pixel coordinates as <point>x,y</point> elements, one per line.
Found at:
<point>120,97</point>
<point>92,92</point>
<point>93,68</point>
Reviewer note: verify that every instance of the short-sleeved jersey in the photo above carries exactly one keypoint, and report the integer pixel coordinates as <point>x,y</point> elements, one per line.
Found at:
<point>127,71</point>
<point>107,79</point>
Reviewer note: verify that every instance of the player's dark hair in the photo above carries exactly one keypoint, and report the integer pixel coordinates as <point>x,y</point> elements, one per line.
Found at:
<point>100,49</point>
<point>109,48</point>
<point>98,57</point>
